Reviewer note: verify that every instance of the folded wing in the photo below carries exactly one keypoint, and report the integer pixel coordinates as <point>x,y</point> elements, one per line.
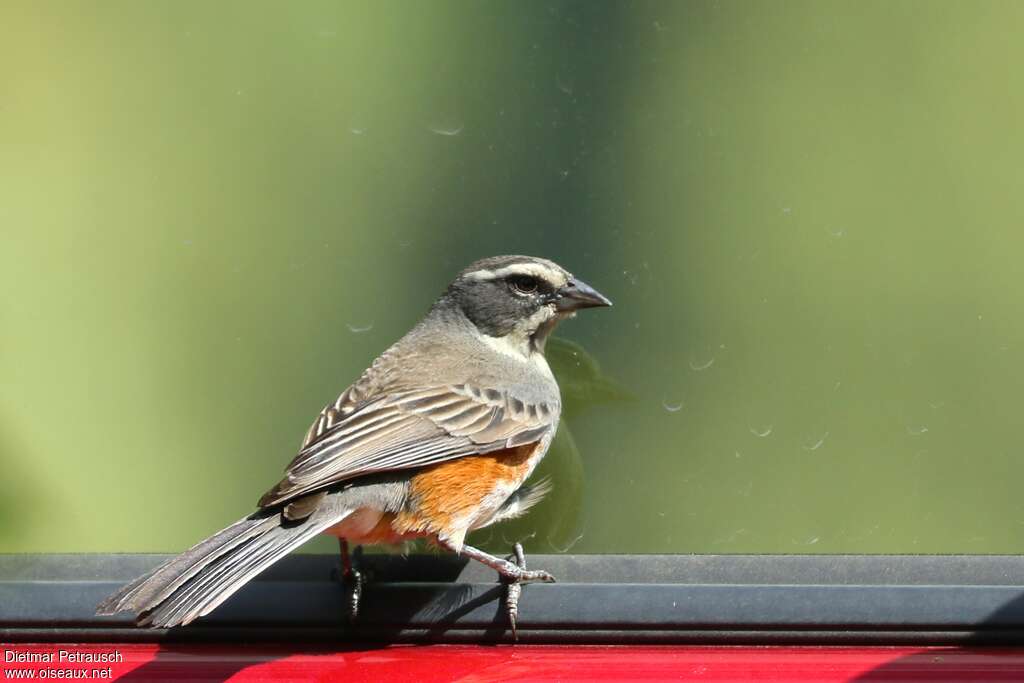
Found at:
<point>410,430</point>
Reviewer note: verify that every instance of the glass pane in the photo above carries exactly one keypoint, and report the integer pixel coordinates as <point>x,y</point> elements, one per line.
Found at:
<point>808,215</point>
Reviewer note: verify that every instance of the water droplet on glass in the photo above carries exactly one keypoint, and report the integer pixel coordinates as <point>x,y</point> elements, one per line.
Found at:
<point>447,131</point>
<point>567,548</point>
<point>359,329</point>
<point>672,406</point>
<point>698,366</point>
<point>808,446</point>
<point>810,541</point>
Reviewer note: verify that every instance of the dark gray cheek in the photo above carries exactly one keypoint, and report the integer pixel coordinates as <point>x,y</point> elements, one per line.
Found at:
<point>494,310</point>
<point>483,305</point>
<point>500,320</point>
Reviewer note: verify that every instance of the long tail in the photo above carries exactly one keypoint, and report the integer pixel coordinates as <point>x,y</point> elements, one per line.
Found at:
<point>192,584</point>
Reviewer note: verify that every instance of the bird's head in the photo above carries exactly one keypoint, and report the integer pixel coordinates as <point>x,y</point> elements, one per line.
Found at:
<point>520,298</point>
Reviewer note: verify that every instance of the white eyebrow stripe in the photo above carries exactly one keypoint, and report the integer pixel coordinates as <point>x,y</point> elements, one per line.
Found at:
<point>534,269</point>
<point>480,275</point>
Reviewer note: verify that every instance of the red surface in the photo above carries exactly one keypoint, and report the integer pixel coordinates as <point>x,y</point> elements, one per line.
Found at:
<point>522,663</point>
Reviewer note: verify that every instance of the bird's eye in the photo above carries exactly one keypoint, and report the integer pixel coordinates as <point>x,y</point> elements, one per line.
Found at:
<point>524,284</point>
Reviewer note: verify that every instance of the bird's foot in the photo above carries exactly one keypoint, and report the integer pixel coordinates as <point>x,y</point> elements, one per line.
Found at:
<point>353,582</point>
<point>513,575</point>
<point>351,579</point>
<point>514,585</point>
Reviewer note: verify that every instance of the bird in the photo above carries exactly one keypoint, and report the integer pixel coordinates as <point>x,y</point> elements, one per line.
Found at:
<point>435,439</point>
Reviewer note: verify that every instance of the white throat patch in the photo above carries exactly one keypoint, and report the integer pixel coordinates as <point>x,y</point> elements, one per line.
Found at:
<point>510,348</point>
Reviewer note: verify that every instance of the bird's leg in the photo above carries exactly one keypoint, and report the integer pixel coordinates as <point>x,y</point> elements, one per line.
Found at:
<point>514,590</point>
<point>514,575</point>
<point>351,577</point>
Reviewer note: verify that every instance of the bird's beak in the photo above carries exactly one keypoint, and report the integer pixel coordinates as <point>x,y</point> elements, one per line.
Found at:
<point>577,294</point>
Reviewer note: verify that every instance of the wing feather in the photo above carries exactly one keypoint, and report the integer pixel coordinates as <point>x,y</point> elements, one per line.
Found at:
<point>410,430</point>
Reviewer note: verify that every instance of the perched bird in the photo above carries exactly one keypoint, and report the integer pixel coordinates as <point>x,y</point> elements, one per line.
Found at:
<point>434,440</point>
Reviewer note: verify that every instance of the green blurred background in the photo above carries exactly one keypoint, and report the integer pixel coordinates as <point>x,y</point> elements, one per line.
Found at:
<point>809,215</point>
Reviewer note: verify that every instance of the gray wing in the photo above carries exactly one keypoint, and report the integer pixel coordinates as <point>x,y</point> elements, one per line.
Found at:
<point>410,430</point>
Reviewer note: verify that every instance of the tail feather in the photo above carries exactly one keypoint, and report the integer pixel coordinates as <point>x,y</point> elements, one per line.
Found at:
<point>192,584</point>
<point>154,587</point>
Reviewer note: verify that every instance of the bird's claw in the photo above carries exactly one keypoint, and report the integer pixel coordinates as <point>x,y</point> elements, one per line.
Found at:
<point>351,579</point>
<point>353,582</point>
<point>514,585</point>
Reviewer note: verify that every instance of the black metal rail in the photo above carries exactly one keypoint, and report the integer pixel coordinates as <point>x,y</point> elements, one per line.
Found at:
<point>739,599</point>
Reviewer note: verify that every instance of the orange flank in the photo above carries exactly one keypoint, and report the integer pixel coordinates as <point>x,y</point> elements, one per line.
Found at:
<point>443,494</point>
